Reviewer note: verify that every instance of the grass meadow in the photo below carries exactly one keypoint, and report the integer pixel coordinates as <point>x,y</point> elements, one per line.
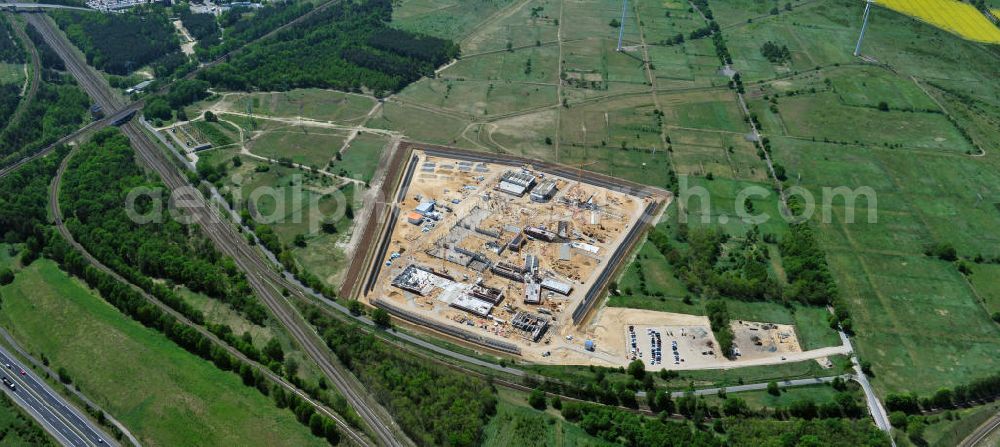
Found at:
<point>165,395</point>
<point>917,318</point>
<point>304,145</point>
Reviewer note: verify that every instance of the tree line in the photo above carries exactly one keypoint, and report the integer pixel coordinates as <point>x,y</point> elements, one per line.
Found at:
<point>46,55</point>
<point>980,390</point>
<point>629,429</point>
<point>16,428</point>
<point>182,93</point>
<point>129,302</point>
<point>11,51</point>
<point>58,109</point>
<point>120,43</point>
<point>202,27</point>
<point>347,46</point>
<point>433,404</point>
<point>165,249</point>
<point>241,25</point>
<point>105,154</point>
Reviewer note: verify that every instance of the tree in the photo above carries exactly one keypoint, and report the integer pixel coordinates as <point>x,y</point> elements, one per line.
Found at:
<point>355,307</point>
<point>316,425</point>
<point>898,419</point>
<point>942,398</point>
<point>907,403</point>
<point>883,106</point>
<point>537,399</point>
<point>331,433</point>
<point>328,226</point>
<point>210,117</point>
<point>662,402</point>
<point>64,375</point>
<point>381,317</point>
<point>637,369</point>
<point>734,406</point>
<point>772,389</point>
<point>6,276</point>
<point>157,108</point>
<point>273,350</point>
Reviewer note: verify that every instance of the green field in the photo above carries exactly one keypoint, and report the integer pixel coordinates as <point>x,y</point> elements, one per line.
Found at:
<point>916,316</point>
<point>217,312</point>
<point>820,394</point>
<point>451,19</point>
<point>822,117</point>
<point>518,25</point>
<point>986,286</point>
<point>361,157</point>
<point>316,104</point>
<point>11,73</point>
<point>304,145</point>
<point>165,395</point>
<point>421,125</point>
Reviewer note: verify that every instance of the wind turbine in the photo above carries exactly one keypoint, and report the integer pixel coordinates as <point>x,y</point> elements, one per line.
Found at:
<point>621,26</point>
<point>864,27</point>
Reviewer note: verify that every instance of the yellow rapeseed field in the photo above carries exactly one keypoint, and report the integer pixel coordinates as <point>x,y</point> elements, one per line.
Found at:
<point>953,16</point>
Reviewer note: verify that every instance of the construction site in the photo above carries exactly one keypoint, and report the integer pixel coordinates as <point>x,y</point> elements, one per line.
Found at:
<point>514,257</point>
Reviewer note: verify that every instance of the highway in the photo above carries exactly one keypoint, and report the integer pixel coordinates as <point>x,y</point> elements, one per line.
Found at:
<point>48,372</point>
<point>266,283</point>
<point>33,6</point>
<point>60,419</point>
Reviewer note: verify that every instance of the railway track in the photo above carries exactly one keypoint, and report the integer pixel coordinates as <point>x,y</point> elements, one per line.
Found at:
<point>976,438</point>
<point>60,224</point>
<point>136,105</point>
<point>266,283</point>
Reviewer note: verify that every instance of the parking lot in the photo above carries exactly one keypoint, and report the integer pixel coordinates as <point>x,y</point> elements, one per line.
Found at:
<point>670,346</point>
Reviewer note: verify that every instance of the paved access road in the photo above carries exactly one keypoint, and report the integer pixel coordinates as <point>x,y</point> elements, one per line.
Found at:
<point>762,386</point>
<point>57,416</point>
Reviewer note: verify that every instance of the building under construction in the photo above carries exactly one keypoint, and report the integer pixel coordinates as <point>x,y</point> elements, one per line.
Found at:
<point>516,183</point>
<point>532,326</point>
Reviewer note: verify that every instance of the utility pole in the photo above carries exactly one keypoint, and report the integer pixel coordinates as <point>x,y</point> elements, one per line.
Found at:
<point>621,26</point>
<point>864,27</point>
